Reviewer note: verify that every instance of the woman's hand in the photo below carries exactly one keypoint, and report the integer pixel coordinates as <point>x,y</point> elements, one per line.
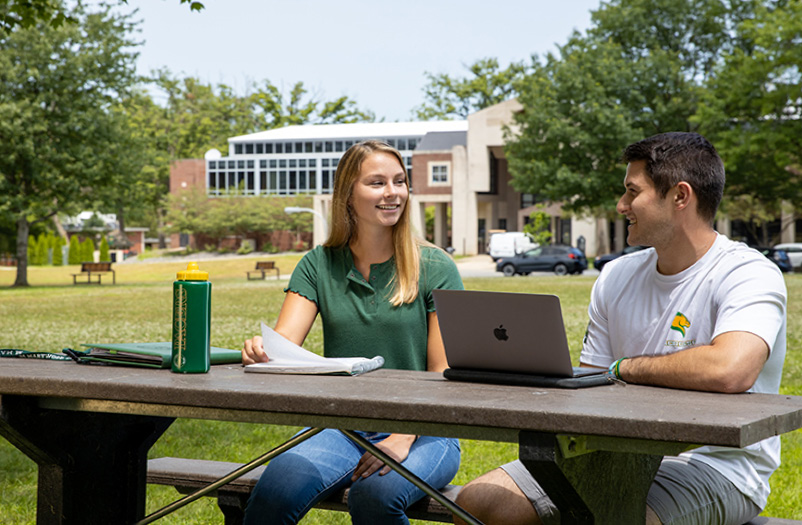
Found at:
<point>253,351</point>
<point>396,446</point>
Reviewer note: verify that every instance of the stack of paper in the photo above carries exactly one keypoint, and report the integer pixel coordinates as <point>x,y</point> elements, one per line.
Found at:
<point>285,357</point>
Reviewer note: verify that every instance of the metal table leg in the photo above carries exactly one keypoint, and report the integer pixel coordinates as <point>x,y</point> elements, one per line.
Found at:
<point>412,478</point>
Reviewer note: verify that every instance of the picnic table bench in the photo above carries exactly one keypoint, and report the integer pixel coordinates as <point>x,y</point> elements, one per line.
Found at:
<point>262,267</point>
<point>189,475</point>
<point>96,269</point>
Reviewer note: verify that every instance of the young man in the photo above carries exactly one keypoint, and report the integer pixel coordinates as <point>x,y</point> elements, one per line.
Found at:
<point>696,311</point>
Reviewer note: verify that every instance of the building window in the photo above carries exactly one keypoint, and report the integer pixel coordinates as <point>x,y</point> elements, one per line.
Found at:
<point>279,147</point>
<point>402,144</point>
<point>249,149</point>
<point>237,149</point>
<point>259,148</point>
<point>439,173</point>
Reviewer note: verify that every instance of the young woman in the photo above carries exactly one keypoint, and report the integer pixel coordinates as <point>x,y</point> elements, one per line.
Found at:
<point>372,284</point>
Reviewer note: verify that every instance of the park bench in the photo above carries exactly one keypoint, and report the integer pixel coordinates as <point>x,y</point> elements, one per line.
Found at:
<point>189,475</point>
<point>262,268</point>
<point>96,269</point>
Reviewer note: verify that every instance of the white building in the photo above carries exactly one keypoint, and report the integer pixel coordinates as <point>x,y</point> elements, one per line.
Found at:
<point>456,167</point>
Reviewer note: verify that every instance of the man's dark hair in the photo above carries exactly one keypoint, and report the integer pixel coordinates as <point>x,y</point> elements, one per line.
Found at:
<point>675,157</point>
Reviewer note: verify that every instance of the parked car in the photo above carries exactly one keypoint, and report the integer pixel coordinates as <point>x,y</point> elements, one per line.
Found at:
<point>794,251</point>
<point>601,260</point>
<point>780,257</point>
<point>507,244</point>
<point>558,258</point>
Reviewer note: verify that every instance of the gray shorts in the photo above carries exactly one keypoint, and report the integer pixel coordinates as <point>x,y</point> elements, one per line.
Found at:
<point>684,492</point>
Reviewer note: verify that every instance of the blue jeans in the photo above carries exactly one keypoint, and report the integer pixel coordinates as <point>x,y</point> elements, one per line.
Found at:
<point>296,480</point>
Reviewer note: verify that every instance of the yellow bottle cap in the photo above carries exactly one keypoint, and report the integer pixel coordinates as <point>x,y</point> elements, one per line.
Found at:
<point>192,273</point>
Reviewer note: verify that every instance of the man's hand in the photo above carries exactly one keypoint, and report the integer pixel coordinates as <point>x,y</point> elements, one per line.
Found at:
<point>396,446</point>
<point>730,364</point>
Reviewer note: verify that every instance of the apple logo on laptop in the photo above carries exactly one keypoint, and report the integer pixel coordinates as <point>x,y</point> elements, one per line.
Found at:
<point>500,333</point>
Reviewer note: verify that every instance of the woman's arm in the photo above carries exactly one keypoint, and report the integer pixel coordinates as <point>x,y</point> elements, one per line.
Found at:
<point>294,322</point>
<point>435,351</point>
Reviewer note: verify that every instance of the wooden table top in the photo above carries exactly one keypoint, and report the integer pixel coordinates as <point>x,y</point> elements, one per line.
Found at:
<point>395,400</point>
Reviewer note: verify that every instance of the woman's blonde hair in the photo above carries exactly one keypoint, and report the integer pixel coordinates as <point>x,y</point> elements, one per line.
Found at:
<point>343,228</point>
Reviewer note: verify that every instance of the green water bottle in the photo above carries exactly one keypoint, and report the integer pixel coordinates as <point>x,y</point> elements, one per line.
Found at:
<point>192,314</point>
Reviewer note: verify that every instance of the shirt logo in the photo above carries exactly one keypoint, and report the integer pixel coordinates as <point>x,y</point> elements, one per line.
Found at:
<point>680,323</point>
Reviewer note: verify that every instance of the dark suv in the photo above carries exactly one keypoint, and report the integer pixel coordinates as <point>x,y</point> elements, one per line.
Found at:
<point>558,258</point>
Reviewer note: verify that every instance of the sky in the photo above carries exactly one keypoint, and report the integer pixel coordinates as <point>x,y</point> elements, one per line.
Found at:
<point>374,52</point>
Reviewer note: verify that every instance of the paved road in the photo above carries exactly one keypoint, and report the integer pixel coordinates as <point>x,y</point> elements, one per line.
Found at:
<point>483,266</point>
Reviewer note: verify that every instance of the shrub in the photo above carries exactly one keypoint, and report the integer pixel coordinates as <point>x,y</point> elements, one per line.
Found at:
<point>88,250</point>
<point>32,250</point>
<point>58,254</point>
<point>42,248</point>
<point>104,250</point>
<point>74,255</point>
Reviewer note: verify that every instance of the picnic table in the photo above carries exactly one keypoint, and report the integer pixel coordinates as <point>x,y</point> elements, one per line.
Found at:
<point>595,450</point>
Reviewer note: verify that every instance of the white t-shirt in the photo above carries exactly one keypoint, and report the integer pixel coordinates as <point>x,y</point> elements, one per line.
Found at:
<point>634,310</point>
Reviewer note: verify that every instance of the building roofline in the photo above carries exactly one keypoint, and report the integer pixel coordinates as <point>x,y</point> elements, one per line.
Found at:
<point>353,131</point>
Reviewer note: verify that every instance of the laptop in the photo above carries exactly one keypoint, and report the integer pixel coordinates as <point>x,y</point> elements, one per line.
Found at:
<point>510,338</point>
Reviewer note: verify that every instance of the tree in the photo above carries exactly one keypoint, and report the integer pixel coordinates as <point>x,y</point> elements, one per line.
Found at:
<point>29,13</point>
<point>31,252</point>
<point>274,110</point>
<point>197,117</point>
<point>104,250</point>
<point>88,250</point>
<point>487,84</point>
<point>752,110</point>
<point>640,70</point>
<point>56,85</point>
<point>58,254</point>
<point>42,248</point>
<point>74,254</point>
<point>539,225</point>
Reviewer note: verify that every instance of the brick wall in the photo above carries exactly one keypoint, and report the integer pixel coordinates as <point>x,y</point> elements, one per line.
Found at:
<point>187,173</point>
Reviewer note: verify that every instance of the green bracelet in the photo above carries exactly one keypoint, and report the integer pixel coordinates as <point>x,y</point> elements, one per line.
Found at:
<point>618,367</point>
<point>615,368</point>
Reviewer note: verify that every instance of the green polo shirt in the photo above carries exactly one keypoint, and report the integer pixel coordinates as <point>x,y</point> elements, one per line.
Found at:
<point>358,319</point>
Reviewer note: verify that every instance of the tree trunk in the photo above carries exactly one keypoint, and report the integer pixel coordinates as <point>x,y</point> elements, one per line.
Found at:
<point>23,227</point>
<point>162,241</point>
<point>121,225</point>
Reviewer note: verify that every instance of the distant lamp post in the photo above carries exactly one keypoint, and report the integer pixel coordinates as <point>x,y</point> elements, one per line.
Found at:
<point>298,209</point>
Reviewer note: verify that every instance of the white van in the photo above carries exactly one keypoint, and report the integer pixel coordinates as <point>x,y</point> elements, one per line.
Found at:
<point>507,244</point>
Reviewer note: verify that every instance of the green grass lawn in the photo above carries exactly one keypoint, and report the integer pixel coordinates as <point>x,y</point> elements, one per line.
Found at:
<point>54,314</point>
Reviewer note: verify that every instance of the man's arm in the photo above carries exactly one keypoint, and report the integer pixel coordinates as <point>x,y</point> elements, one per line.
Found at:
<point>730,364</point>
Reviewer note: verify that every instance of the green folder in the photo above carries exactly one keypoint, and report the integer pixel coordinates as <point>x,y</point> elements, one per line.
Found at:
<point>153,355</point>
